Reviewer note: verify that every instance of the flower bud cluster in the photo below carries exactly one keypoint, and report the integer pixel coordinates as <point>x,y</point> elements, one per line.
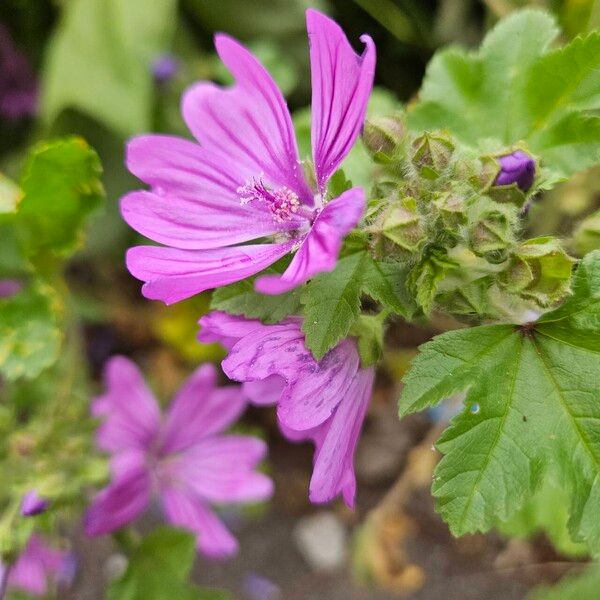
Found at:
<point>457,218</point>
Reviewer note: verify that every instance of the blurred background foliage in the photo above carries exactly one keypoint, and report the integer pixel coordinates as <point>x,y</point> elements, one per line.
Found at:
<point>105,70</point>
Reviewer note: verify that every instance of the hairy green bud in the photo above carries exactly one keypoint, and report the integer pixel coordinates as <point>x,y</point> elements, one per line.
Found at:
<point>539,270</point>
<point>432,153</point>
<point>491,230</point>
<point>401,223</point>
<point>382,136</point>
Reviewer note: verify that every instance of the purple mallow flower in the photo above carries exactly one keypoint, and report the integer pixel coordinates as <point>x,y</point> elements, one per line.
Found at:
<point>18,86</point>
<point>244,181</point>
<point>37,566</point>
<point>183,458</point>
<point>164,68</point>
<point>324,402</point>
<point>33,504</point>
<point>517,167</point>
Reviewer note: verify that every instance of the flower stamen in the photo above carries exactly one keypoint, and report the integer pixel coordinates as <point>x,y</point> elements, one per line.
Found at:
<point>282,202</point>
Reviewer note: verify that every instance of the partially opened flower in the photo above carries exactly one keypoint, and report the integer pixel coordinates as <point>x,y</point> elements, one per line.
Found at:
<point>324,401</point>
<point>38,566</point>
<point>244,180</point>
<point>185,458</point>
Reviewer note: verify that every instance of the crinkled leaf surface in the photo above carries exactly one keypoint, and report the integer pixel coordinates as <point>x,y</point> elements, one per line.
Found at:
<point>332,301</point>
<point>159,568</point>
<point>29,335</point>
<point>532,404</point>
<point>515,87</point>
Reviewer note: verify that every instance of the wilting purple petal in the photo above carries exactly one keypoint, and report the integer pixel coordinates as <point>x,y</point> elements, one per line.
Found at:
<point>18,86</point>
<point>313,388</point>
<point>320,249</point>
<point>517,167</point>
<point>124,499</point>
<point>226,329</point>
<point>35,567</point>
<point>164,68</point>
<point>200,409</point>
<point>333,471</point>
<point>9,287</point>
<point>33,504</point>
<point>185,510</point>
<point>132,414</point>
<point>341,85</point>
<point>171,274</point>
<point>265,392</point>
<point>249,122</point>
<point>220,469</point>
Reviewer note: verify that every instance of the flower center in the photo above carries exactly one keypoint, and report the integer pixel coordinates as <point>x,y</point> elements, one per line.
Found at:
<point>282,202</point>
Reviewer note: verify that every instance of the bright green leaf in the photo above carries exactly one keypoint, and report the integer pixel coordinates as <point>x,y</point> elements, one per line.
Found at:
<point>100,57</point>
<point>61,187</point>
<point>532,405</point>
<point>580,586</point>
<point>332,304</point>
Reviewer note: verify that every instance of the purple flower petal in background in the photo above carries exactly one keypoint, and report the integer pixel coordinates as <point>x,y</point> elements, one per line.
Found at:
<point>9,287</point>
<point>257,587</point>
<point>33,504</point>
<point>243,181</point>
<point>517,167</point>
<point>324,402</point>
<point>164,68</point>
<point>37,566</point>
<point>185,458</point>
<point>18,85</point>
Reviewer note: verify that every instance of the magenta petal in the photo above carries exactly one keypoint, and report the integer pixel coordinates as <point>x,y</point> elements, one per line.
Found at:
<point>124,499</point>
<point>35,566</point>
<point>312,390</point>
<point>200,409</point>
<point>333,471</point>
<point>226,329</point>
<point>248,122</point>
<point>341,85</point>
<point>220,469</point>
<point>185,510</point>
<point>320,249</point>
<point>171,274</point>
<point>184,223</point>
<point>265,392</point>
<point>132,417</point>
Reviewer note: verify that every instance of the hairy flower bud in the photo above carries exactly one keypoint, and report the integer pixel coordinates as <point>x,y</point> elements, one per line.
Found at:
<point>383,135</point>
<point>431,154</point>
<point>33,504</point>
<point>518,168</point>
<point>539,270</point>
<point>403,225</point>
<point>491,230</point>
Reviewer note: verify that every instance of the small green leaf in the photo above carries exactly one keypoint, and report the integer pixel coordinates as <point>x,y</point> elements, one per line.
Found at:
<point>61,186</point>
<point>368,330</point>
<point>159,568</point>
<point>580,586</point>
<point>100,57</point>
<point>29,335</point>
<point>532,406</point>
<point>241,299</point>
<point>332,304</point>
